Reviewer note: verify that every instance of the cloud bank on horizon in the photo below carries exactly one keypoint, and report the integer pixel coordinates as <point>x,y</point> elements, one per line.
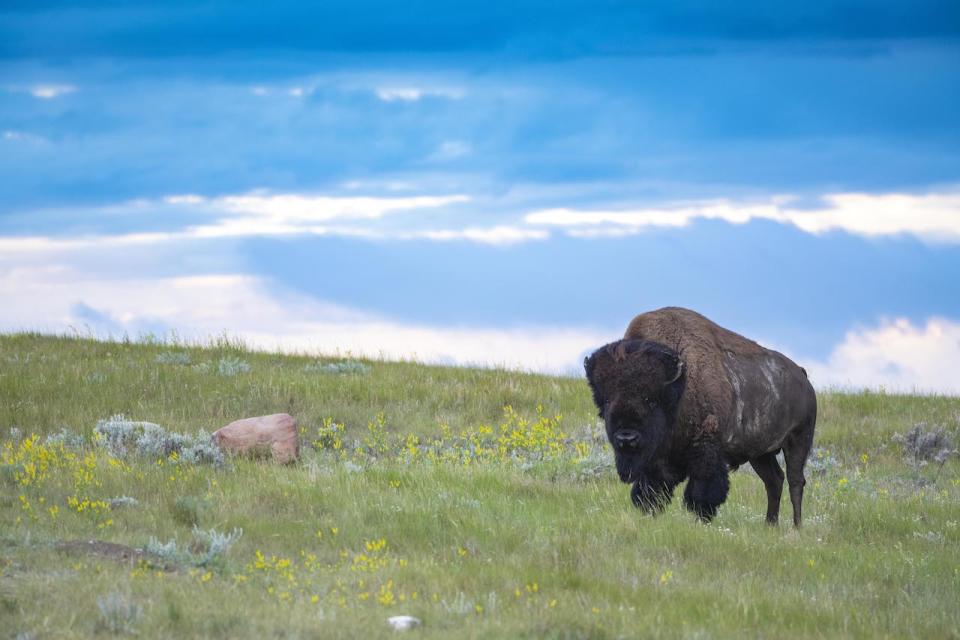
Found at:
<point>490,184</point>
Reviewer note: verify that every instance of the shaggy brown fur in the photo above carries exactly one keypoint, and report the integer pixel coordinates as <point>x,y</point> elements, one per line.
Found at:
<point>685,398</point>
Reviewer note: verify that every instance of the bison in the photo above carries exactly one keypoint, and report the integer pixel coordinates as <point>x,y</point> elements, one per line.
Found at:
<point>683,398</point>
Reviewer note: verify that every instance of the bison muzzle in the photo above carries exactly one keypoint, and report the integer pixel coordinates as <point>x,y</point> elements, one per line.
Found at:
<point>685,399</point>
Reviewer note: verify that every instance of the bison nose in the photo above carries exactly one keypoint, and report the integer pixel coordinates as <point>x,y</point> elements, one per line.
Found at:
<point>628,438</point>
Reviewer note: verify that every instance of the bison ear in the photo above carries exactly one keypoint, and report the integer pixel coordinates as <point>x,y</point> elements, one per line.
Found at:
<point>589,365</point>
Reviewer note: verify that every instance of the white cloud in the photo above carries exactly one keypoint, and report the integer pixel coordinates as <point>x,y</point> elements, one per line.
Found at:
<point>55,298</point>
<point>403,94</point>
<point>501,235</point>
<point>50,91</point>
<point>895,355</point>
<point>932,217</point>
<point>46,244</point>
<point>413,94</point>
<point>293,207</point>
<point>184,198</point>
<point>261,215</point>
<point>498,235</point>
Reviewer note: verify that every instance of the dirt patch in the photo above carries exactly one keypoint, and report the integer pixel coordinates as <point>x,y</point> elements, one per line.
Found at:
<point>115,552</point>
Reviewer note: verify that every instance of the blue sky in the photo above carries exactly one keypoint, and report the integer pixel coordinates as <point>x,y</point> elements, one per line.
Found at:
<point>488,183</point>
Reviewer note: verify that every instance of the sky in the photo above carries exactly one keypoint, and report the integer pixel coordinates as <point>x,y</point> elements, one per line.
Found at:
<point>495,184</point>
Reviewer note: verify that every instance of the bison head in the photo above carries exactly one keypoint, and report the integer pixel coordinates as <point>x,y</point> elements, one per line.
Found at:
<point>637,387</point>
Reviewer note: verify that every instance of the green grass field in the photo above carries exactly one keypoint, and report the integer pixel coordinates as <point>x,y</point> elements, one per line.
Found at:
<point>419,494</point>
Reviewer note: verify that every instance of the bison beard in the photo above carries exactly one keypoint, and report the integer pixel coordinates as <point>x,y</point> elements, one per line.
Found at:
<point>693,411</point>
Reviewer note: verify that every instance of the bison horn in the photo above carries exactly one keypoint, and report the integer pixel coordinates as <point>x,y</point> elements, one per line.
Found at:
<point>677,375</point>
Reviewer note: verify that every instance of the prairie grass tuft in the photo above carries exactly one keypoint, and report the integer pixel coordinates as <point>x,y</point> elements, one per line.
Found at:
<point>189,510</point>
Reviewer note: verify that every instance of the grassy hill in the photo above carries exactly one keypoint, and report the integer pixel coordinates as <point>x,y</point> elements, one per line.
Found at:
<point>483,502</point>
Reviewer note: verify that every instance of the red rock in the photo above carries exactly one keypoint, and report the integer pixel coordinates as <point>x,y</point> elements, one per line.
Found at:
<point>276,435</point>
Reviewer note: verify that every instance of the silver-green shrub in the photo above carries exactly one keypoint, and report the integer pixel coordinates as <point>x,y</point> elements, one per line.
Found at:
<point>821,463</point>
<point>217,544</point>
<point>212,544</point>
<point>166,550</point>
<point>119,435</point>
<point>123,501</point>
<point>924,444</point>
<point>230,366</point>
<point>337,368</point>
<point>122,437</point>
<point>118,613</point>
<point>66,437</point>
<point>201,450</point>
<point>173,357</point>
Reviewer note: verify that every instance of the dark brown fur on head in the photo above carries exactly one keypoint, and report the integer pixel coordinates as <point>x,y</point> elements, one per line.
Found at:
<point>637,386</point>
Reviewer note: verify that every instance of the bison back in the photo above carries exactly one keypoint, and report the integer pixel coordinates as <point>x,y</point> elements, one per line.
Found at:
<point>757,395</point>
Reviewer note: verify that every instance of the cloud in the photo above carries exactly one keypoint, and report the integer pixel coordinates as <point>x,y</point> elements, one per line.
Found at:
<point>895,355</point>
<point>259,214</point>
<point>413,94</point>
<point>932,217</point>
<point>47,244</point>
<point>50,91</point>
<point>291,214</point>
<point>498,235</point>
<point>294,207</point>
<point>56,298</point>
<point>186,198</point>
<point>501,235</point>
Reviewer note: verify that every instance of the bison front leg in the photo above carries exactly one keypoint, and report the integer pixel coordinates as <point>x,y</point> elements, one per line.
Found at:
<point>653,491</point>
<point>709,477</point>
<point>704,495</point>
<point>651,498</point>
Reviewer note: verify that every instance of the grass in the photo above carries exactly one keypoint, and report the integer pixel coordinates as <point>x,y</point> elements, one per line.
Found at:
<point>535,538</point>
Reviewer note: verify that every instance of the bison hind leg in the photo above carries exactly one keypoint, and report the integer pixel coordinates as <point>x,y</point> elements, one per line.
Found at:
<point>770,472</point>
<point>704,495</point>
<point>795,451</point>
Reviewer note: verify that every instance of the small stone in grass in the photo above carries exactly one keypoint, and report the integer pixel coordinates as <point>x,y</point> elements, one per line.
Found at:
<point>403,623</point>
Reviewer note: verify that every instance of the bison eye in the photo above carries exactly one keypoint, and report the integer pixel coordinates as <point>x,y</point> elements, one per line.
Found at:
<point>604,408</point>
